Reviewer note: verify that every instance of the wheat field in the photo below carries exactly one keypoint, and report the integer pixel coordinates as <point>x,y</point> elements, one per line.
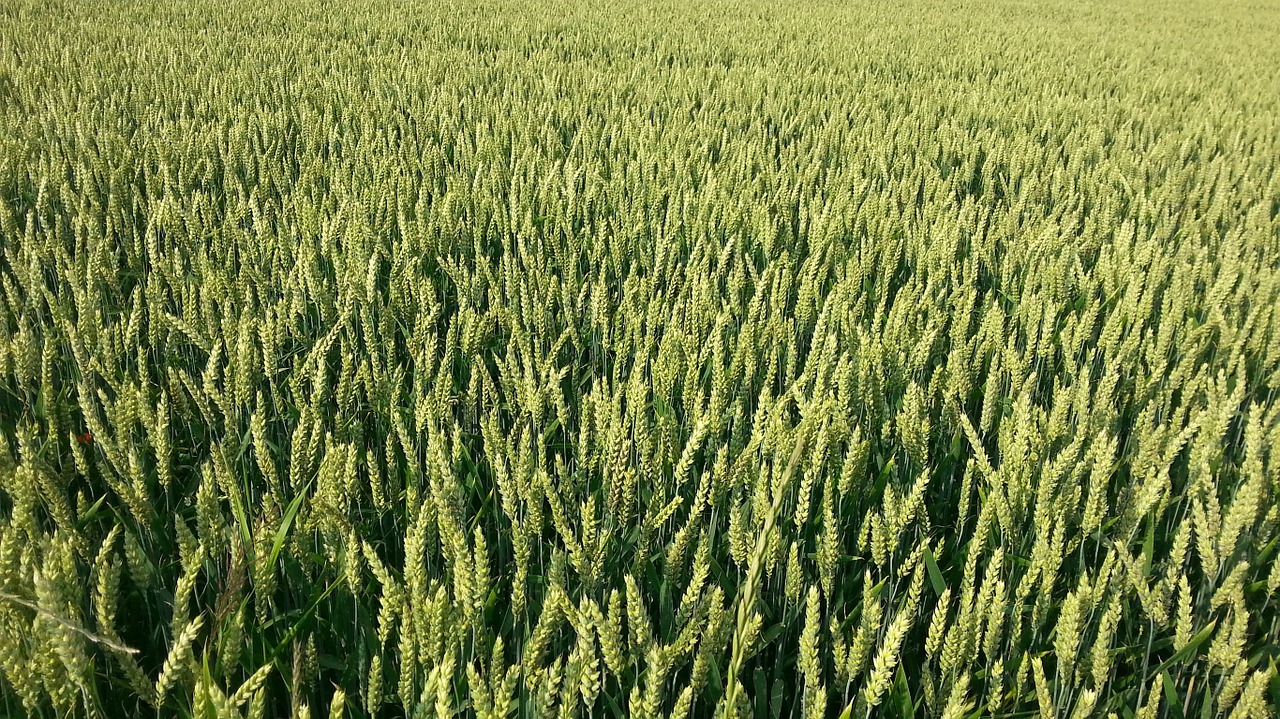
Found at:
<point>546,358</point>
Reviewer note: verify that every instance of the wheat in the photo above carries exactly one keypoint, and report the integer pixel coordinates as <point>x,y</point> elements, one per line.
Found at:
<point>525,359</point>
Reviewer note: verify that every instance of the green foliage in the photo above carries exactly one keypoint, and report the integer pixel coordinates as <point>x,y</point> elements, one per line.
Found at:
<point>546,358</point>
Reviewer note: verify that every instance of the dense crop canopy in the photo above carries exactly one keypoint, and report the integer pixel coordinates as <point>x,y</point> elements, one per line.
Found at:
<point>639,359</point>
